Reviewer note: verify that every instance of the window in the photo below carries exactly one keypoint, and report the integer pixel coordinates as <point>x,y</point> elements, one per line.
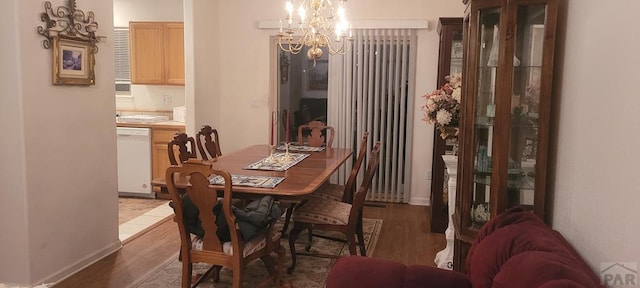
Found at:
<point>121,50</point>
<point>302,90</point>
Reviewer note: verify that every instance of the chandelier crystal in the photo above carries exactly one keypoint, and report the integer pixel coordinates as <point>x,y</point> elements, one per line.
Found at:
<point>315,21</point>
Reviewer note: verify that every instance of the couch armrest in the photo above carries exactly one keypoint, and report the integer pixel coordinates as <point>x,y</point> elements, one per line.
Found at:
<point>358,271</point>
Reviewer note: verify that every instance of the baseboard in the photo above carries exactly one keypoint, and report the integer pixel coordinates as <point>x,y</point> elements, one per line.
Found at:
<point>420,201</point>
<point>68,271</point>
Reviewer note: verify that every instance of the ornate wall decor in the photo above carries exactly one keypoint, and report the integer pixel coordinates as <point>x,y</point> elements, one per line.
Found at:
<point>72,34</point>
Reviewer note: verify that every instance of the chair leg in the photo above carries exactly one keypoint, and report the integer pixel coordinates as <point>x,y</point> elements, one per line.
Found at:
<point>351,240</point>
<point>215,269</point>
<point>309,239</point>
<point>272,268</point>
<point>292,246</point>
<point>187,268</point>
<point>216,276</point>
<point>287,218</point>
<point>363,249</point>
<point>237,277</point>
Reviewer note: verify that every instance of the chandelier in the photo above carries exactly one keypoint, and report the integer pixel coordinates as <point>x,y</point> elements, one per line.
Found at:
<point>316,20</point>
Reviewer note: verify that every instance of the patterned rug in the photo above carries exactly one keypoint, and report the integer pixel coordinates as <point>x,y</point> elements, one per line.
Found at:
<point>310,271</point>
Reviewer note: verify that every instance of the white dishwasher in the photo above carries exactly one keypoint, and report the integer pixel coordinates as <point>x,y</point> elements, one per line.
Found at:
<point>134,162</point>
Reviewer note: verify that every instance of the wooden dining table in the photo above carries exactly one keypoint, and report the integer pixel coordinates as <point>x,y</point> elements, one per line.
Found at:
<point>300,180</point>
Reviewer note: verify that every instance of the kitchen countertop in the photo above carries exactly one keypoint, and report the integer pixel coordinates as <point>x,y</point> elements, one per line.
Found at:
<point>162,124</point>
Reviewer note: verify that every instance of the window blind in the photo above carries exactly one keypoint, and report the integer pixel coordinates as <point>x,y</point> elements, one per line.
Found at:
<point>121,50</point>
<point>370,89</point>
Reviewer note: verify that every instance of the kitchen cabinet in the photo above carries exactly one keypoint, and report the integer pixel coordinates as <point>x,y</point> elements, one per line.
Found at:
<point>157,53</point>
<point>449,62</point>
<point>507,94</point>
<point>160,137</point>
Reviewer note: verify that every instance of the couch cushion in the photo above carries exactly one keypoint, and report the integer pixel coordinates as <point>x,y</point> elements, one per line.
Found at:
<point>358,271</point>
<point>539,268</point>
<point>365,272</point>
<point>528,254</point>
<point>420,276</point>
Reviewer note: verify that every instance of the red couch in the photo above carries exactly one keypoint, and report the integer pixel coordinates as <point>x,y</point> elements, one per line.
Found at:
<point>513,250</point>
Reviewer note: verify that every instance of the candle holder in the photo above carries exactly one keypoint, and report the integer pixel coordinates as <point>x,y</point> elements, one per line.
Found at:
<point>271,159</point>
<point>286,158</point>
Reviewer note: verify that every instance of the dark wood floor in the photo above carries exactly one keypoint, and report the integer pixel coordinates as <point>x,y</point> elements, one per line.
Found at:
<point>405,237</point>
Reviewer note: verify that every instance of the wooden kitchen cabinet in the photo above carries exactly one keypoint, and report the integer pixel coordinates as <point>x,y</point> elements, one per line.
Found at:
<point>157,53</point>
<point>160,137</point>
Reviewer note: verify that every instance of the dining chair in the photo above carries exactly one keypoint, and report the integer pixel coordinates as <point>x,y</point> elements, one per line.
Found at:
<point>315,137</point>
<point>345,192</point>
<point>210,149</point>
<point>207,247</point>
<point>330,215</point>
<point>330,190</point>
<point>179,146</point>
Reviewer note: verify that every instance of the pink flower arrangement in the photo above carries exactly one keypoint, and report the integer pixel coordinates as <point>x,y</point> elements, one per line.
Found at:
<point>442,108</point>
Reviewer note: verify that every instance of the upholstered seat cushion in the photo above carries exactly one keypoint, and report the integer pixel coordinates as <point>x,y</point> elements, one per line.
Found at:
<point>330,192</point>
<point>250,247</point>
<point>323,211</point>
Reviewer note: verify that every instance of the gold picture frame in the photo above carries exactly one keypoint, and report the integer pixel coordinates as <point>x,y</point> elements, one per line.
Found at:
<point>73,62</point>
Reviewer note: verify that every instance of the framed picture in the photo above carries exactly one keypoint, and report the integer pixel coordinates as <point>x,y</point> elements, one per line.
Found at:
<point>73,62</point>
<point>319,75</point>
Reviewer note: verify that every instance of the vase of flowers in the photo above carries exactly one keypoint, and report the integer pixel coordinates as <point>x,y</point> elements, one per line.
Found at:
<point>442,107</point>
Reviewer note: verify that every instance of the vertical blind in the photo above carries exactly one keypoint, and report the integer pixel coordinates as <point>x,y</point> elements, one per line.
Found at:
<point>370,89</point>
<point>121,50</point>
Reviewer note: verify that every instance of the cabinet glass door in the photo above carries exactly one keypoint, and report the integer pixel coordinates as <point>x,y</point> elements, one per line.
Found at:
<point>484,115</point>
<point>456,53</point>
<point>525,101</point>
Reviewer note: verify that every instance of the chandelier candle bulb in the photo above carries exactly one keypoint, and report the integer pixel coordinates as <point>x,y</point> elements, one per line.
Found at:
<point>317,31</point>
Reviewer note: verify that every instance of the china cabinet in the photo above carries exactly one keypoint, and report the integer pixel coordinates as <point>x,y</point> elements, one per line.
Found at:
<point>507,89</point>
<point>449,62</point>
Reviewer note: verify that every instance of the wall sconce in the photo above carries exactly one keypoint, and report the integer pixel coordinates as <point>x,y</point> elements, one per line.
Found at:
<point>69,22</point>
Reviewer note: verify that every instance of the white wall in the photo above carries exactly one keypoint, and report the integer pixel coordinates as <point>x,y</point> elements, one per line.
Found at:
<point>58,181</point>
<point>243,78</point>
<point>596,191</point>
<point>146,10</point>
<point>14,248</point>
<point>149,97</point>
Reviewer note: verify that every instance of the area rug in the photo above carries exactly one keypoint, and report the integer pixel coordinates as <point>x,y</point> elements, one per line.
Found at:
<point>310,271</point>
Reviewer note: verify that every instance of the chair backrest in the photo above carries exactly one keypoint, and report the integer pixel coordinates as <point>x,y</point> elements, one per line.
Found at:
<point>208,247</point>
<point>179,145</point>
<point>350,186</point>
<point>210,149</point>
<point>315,138</point>
<point>205,199</point>
<point>361,194</point>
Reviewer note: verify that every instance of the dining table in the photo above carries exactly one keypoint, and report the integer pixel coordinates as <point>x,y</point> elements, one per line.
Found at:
<point>300,179</point>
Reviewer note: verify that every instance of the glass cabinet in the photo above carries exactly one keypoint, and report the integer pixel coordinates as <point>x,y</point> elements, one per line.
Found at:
<point>449,62</point>
<point>507,90</point>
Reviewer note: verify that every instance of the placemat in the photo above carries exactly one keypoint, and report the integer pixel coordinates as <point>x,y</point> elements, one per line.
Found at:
<point>252,181</point>
<point>301,148</point>
<point>278,166</point>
